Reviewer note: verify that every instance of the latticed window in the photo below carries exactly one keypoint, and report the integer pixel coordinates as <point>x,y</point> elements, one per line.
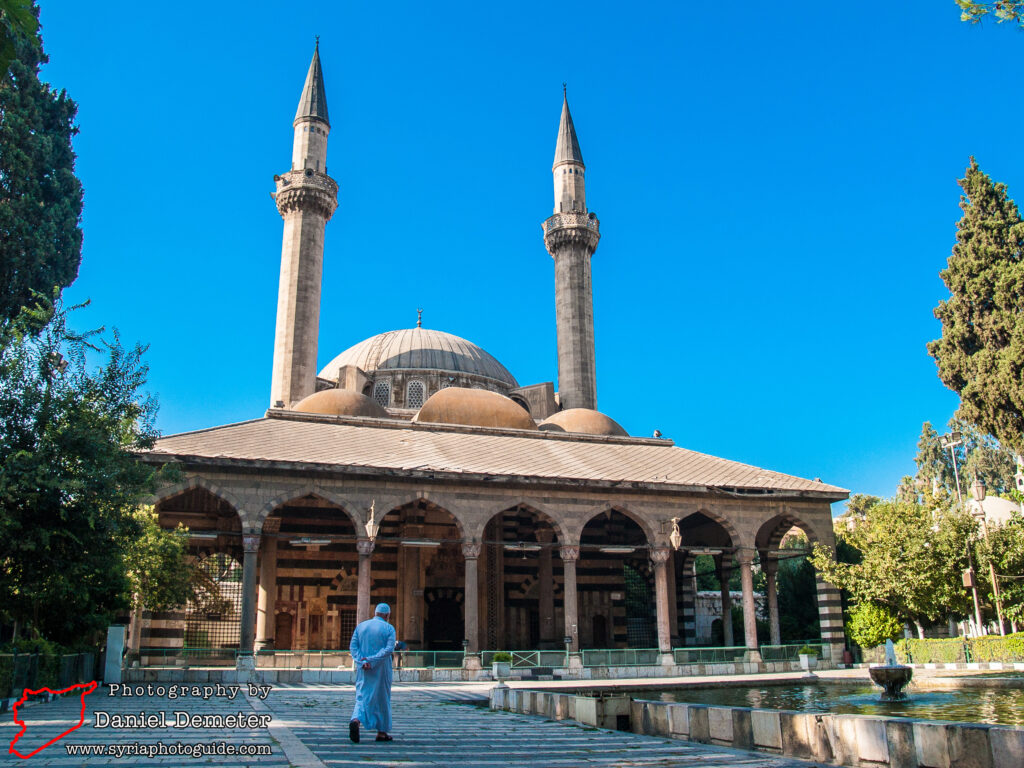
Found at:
<point>382,393</point>
<point>212,614</point>
<point>415,394</point>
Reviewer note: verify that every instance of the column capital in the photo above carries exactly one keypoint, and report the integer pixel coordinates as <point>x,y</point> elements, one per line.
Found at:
<point>471,550</point>
<point>744,557</point>
<point>570,552</point>
<point>365,546</point>
<point>251,543</point>
<point>659,555</point>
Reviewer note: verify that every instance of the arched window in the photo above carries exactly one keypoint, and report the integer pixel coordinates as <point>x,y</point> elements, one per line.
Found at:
<point>382,392</point>
<point>415,394</point>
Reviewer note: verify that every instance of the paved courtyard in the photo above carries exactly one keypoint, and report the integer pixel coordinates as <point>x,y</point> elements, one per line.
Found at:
<point>435,725</point>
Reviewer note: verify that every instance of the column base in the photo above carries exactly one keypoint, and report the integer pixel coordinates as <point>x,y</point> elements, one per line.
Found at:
<point>752,656</point>
<point>245,663</point>
<point>575,662</point>
<point>667,659</point>
<point>471,661</point>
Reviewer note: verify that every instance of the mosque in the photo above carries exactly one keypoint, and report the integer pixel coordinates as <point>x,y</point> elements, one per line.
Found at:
<point>415,469</point>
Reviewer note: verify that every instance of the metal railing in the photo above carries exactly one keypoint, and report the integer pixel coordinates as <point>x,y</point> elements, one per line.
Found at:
<point>182,657</point>
<point>709,655</point>
<point>791,652</point>
<point>429,659</point>
<point>529,659</point>
<point>620,657</point>
<point>33,671</point>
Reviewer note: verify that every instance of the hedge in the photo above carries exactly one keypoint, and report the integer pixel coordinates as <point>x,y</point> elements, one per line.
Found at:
<point>989,648</point>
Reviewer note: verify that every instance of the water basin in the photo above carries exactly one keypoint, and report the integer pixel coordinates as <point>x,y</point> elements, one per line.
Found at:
<point>1003,706</point>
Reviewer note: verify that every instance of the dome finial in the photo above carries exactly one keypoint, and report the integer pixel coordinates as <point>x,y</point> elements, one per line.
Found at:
<point>564,96</point>
<point>317,42</point>
<point>419,318</point>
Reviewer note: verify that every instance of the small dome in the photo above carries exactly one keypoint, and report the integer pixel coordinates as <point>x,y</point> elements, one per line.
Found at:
<point>475,408</point>
<point>340,402</point>
<point>584,421</point>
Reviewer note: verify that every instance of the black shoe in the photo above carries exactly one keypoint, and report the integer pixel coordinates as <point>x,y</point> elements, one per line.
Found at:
<point>353,731</point>
<point>383,737</point>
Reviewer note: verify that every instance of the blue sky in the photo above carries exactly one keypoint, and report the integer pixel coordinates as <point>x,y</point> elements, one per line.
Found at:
<point>776,185</point>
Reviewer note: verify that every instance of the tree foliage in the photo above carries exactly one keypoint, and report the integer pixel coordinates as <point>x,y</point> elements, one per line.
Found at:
<point>871,625</point>
<point>1001,11</point>
<point>981,353</point>
<point>69,484</point>
<point>1004,548</point>
<point>40,197</point>
<point>18,26</point>
<point>911,560</point>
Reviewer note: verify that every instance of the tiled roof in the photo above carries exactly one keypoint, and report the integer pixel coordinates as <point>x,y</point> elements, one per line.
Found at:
<point>393,446</point>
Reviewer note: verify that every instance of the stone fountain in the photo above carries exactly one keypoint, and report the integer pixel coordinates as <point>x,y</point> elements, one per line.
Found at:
<point>893,677</point>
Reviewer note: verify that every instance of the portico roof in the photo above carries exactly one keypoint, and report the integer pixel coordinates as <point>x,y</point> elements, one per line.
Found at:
<point>393,447</point>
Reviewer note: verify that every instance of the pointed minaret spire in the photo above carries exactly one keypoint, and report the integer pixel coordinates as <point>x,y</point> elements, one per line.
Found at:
<point>313,102</point>
<point>571,237</point>
<point>306,198</point>
<point>567,150</point>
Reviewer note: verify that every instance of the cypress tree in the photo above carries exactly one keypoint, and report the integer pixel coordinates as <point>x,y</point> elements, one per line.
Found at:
<point>981,353</point>
<point>40,197</point>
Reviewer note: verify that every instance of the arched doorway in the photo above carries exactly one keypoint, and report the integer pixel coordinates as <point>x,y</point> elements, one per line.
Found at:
<point>419,569</point>
<point>615,582</point>
<point>524,581</point>
<point>308,567</point>
<point>211,621</point>
<point>795,606</point>
<point>706,581</point>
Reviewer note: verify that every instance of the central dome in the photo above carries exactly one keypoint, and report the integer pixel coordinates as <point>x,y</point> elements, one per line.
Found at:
<point>420,349</point>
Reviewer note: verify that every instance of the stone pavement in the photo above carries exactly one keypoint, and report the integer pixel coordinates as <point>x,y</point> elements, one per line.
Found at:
<point>309,729</point>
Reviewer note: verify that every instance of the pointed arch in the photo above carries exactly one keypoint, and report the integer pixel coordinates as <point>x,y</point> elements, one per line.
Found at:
<point>516,504</point>
<point>651,537</point>
<point>310,490</point>
<point>735,539</point>
<point>192,483</point>
<point>772,531</point>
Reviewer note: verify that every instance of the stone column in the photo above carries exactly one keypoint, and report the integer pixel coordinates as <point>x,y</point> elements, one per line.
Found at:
<point>570,554</point>
<point>723,564</point>
<point>135,630</point>
<point>689,600</point>
<point>545,575</point>
<point>830,617</point>
<point>770,566</point>
<point>659,557</point>
<point>673,599</point>
<point>365,548</point>
<point>250,548</point>
<point>471,552</point>
<point>749,606</point>
<point>265,619</point>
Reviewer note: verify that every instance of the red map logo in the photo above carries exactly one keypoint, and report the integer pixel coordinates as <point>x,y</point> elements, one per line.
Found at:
<point>87,688</point>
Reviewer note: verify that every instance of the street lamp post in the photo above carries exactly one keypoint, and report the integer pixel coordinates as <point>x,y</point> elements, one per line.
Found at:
<point>978,491</point>
<point>951,441</point>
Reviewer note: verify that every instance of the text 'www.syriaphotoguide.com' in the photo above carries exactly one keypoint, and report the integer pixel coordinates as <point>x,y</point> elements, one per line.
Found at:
<point>160,749</point>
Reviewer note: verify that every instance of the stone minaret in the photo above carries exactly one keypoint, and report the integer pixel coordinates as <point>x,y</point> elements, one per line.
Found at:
<point>306,198</point>
<point>571,237</point>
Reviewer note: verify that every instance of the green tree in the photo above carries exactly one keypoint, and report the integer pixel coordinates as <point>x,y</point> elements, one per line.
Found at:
<point>18,26</point>
<point>797,591</point>
<point>911,560</point>
<point>69,482</point>
<point>1004,547</point>
<point>871,625</point>
<point>1002,10</point>
<point>40,197</point>
<point>981,352</point>
<point>161,575</point>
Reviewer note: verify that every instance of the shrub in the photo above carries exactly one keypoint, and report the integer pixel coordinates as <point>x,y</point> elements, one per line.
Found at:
<point>996,648</point>
<point>935,651</point>
<point>807,651</point>
<point>871,625</point>
<point>502,656</point>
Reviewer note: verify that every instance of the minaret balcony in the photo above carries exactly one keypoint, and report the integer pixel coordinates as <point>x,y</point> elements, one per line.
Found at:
<point>306,189</point>
<point>571,227</point>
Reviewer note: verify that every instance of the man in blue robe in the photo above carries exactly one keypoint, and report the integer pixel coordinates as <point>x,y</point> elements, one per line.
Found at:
<point>372,644</point>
